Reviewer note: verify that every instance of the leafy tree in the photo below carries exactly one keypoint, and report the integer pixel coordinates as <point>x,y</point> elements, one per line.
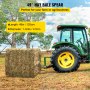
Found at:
<point>10,9</point>
<point>45,42</point>
<point>30,17</point>
<point>2,27</point>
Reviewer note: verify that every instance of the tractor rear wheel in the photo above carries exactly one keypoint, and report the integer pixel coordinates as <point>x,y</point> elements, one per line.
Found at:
<point>65,59</point>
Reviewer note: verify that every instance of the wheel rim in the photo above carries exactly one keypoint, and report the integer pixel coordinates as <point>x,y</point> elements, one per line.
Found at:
<point>66,60</point>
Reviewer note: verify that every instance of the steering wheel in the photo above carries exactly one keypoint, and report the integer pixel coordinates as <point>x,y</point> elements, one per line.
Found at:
<point>79,41</point>
<point>82,45</point>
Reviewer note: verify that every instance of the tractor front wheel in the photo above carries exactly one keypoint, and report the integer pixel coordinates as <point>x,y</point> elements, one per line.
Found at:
<point>65,59</point>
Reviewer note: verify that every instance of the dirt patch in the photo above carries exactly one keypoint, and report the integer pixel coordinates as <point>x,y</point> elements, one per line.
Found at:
<point>48,80</point>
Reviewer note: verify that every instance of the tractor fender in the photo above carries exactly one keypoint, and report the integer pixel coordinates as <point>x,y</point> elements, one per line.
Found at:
<point>59,44</point>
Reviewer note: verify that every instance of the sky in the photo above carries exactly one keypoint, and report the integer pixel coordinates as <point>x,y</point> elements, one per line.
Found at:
<point>80,14</point>
<point>72,3</point>
<point>69,3</point>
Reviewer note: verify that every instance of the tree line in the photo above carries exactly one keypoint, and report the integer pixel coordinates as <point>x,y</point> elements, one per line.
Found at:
<point>9,11</point>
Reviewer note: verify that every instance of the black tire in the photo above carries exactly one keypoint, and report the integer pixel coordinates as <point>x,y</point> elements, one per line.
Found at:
<point>56,53</point>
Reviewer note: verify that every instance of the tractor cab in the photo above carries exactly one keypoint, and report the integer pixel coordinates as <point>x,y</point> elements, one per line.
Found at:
<point>73,34</point>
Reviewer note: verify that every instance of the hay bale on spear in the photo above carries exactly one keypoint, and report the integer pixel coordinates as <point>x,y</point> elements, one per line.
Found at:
<point>22,62</point>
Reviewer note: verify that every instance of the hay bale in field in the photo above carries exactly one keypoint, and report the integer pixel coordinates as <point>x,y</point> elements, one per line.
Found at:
<point>22,62</point>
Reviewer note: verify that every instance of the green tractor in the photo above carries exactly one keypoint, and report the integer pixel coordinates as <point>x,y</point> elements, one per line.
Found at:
<point>72,49</point>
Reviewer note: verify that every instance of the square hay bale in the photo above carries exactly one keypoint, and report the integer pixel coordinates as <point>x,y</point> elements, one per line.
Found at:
<point>22,62</point>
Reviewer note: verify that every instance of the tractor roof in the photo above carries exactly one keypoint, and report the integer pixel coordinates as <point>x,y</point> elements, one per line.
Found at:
<point>70,26</point>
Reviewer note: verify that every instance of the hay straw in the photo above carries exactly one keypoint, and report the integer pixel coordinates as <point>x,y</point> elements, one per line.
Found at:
<point>22,62</point>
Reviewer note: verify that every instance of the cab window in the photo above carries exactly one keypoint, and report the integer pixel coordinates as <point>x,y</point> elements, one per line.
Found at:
<point>79,34</point>
<point>65,35</point>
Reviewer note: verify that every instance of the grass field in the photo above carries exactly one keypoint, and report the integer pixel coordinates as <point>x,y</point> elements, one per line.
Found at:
<point>48,79</point>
